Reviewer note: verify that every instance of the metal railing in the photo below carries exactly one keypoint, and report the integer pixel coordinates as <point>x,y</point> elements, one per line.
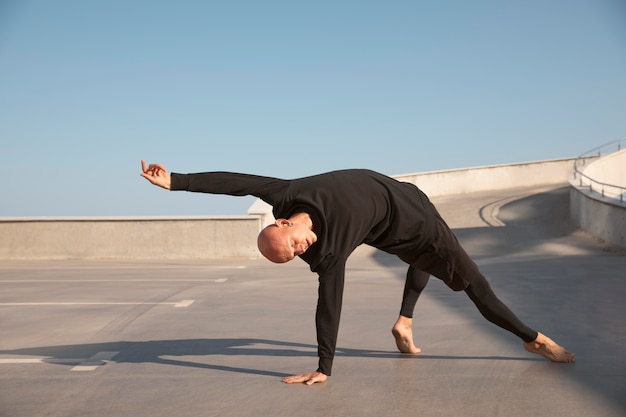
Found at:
<point>605,189</point>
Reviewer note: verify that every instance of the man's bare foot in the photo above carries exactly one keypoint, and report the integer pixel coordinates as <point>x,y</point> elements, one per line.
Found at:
<point>403,333</point>
<point>546,347</point>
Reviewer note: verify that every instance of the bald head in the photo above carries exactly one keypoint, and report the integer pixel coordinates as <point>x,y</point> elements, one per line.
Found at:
<point>271,243</point>
<point>285,239</point>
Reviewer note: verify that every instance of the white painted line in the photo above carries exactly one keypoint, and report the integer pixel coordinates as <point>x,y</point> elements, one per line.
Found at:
<point>68,266</point>
<point>183,303</point>
<point>89,364</point>
<point>38,360</point>
<point>96,361</point>
<point>88,281</point>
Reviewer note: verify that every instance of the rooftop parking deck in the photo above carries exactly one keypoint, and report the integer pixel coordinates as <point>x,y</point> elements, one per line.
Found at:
<point>215,337</point>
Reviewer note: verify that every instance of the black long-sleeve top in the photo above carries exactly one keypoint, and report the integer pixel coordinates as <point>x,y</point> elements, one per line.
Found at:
<point>347,208</point>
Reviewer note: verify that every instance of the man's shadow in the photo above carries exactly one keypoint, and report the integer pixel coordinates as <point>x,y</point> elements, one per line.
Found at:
<point>161,351</point>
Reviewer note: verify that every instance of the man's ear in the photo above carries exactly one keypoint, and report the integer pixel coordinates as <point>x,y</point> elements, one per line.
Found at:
<point>282,223</point>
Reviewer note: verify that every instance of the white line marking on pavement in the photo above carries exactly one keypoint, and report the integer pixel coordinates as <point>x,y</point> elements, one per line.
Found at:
<point>96,361</point>
<point>88,281</point>
<point>67,266</point>
<point>89,364</point>
<point>183,303</point>
<point>38,360</point>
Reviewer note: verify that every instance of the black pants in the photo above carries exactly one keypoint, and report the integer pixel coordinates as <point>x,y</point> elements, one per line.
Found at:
<point>479,291</point>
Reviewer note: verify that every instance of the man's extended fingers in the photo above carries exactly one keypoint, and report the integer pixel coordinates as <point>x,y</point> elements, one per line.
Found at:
<point>294,379</point>
<point>158,168</point>
<point>152,169</point>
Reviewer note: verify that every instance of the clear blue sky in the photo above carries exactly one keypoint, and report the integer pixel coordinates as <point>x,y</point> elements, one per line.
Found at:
<point>292,88</point>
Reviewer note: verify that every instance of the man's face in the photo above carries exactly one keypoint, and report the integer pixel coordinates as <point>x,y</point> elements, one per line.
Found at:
<point>284,241</point>
<point>297,240</point>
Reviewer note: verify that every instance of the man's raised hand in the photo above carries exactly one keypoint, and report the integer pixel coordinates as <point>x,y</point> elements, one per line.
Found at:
<point>156,174</point>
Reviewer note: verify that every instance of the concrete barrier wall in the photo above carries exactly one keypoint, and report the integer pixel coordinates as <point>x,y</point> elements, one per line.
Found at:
<point>610,169</point>
<point>215,237</point>
<point>496,177</point>
<point>603,216</point>
<point>130,238</point>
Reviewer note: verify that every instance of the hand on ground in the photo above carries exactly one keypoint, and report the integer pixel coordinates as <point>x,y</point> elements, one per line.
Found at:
<point>309,379</point>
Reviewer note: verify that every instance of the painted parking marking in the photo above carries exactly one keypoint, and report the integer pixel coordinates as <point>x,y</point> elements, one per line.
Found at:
<point>38,360</point>
<point>183,303</point>
<point>93,363</point>
<point>69,266</point>
<point>88,281</point>
<point>83,365</point>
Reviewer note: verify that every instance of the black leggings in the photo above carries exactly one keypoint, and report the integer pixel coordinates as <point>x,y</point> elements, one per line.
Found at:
<point>480,292</point>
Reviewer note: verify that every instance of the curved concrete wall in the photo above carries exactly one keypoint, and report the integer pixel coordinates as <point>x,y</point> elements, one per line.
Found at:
<point>600,217</point>
<point>610,169</point>
<point>603,216</point>
<point>495,177</point>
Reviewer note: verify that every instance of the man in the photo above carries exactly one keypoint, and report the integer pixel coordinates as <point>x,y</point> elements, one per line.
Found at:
<point>323,218</point>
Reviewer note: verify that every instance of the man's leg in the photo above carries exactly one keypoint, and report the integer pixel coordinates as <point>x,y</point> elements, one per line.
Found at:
<point>402,331</point>
<point>494,310</point>
<point>449,262</point>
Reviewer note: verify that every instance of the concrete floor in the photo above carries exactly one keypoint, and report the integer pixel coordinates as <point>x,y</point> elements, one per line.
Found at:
<point>215,338</point>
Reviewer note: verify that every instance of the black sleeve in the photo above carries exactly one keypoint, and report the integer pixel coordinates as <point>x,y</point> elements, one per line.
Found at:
<point>330,294</point>
<point>267,188</point>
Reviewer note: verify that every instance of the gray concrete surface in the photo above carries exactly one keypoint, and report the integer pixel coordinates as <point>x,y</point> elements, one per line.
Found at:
<point>214,338</point>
